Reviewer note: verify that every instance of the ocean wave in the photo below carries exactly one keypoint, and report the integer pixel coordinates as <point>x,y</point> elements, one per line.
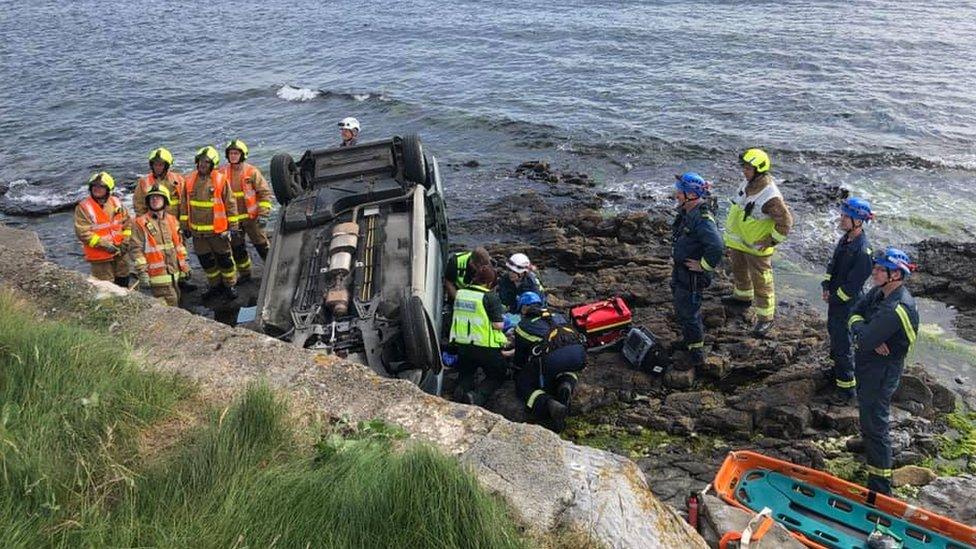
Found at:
<point>294,93</point>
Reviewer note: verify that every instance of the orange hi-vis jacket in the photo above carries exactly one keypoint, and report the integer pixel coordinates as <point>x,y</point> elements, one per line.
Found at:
<point>250,189</point>
<point>95,223</point>
<point>208,208</point>
<point>173,183</point>
<point>158,248</point>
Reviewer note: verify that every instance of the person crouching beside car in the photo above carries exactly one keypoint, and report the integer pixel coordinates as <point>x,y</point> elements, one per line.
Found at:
<point>476,332</point>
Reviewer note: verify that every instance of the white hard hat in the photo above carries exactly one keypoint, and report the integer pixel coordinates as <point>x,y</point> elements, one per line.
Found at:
<point>519,263</point>
<point>349,123</point>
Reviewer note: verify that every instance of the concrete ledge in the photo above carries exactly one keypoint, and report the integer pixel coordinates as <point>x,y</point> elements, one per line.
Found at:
<point>547,481</point>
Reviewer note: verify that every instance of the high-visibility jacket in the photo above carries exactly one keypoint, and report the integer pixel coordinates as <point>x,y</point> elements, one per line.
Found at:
<point>173,182</point>
<point>250,189</point>
<point>158,248</point>
<point>95,223</point>
<point>208,208</point>
<point>751,220</point>
<point>461,265</point>
<point>471,324</point>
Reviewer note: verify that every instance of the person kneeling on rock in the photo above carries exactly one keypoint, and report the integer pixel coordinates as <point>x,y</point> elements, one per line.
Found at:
<point>519,277</point>
<point>476,332</point>
<point>696,249</point>
<point>548,354</point>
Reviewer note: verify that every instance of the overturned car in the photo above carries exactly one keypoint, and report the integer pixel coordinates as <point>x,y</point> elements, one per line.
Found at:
<point>356,263</point>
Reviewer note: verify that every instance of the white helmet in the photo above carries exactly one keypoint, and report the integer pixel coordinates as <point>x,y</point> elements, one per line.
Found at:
<point>349,123</point>
<point>519,263</point>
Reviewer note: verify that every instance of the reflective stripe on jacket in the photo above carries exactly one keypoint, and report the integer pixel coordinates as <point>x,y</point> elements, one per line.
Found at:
<point>173,183</point>
<point>97,223</point>
<point>159,251</point>
<point>208,209</point>
<point>251,191</point>
<point>892,320</point>
<point>471,324</point>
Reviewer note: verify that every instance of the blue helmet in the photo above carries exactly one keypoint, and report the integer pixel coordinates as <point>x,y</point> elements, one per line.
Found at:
<point>691,182</point>
<point>857,208</point>
<point>529,298</point>
<point>895,259</point>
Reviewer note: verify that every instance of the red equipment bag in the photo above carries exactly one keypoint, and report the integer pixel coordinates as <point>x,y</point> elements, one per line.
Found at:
<point>603,322</point>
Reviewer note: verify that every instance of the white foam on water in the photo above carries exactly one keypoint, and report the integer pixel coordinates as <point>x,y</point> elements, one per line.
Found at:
<point>291,93</point>
<point>361,96</point>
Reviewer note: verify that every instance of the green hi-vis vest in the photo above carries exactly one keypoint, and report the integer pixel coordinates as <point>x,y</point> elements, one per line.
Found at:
<point>471,325</point>
<point>461,260</point>
<point>743,231</point>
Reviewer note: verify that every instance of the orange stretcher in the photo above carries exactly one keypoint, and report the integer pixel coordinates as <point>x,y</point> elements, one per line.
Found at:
<point>825,512</point>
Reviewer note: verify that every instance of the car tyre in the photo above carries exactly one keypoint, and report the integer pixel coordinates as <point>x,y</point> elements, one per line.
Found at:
<point>285,178</point>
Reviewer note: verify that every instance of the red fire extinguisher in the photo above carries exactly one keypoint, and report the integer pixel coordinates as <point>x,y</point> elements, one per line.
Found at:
<point>692,503</point>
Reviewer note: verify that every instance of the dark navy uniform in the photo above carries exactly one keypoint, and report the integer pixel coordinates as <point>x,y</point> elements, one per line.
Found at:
<point>694,236</point>
<point>509,293</point>
<point>876,319</point>
<point>849,268</point>
<point>540,376</point>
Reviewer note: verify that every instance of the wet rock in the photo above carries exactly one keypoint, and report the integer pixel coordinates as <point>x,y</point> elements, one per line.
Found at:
<point>943,399</point>
<point>947,272</point>
<point>679,379</point>
<point>954,497</point>
<point>4,187</point>
<point>718,517</point>
<point>787,421</point>
<point>907,458</point>
<point>693,403</point>
<point>912,475</point>
<point>726,421</point>
<point>913,389</point>
<point>843,419</point>
<point>472,163</point>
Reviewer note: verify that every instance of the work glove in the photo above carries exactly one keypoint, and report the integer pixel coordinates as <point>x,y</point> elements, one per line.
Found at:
<point>185,233</point>
<point>230,235</point>
<point>109,247</point>
<point>144,279</point>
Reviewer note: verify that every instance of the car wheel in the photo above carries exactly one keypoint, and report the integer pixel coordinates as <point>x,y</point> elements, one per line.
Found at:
<point>414,163</point>
<point>285,179</point>
<point>418,335</point>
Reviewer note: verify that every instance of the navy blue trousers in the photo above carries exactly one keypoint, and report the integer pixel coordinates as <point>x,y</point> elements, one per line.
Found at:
<point>840,347</point>
<point>877,381</point>
<point>687,307</point>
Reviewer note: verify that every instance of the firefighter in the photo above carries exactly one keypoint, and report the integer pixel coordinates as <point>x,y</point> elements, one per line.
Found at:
<point>253,206</point>
<point>696,249</point>
<point>158,253</point>
<point>348,131</point>
<point>476,333</point>
<point>758,221</point>
<point>208,215</point>
<point>883,325</point>
<point>548,355</point>
<point>843,285</point>
<point>161,173</point>
<point>102,226</point>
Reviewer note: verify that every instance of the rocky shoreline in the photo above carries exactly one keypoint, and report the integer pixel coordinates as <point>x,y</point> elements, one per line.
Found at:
<point>767,395</point>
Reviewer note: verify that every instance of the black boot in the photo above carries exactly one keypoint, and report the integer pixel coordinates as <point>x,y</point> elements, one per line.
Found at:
<point>762,328</point>
<point>212,292</point>
<point>557,414</point>
<point>186,286</point>
<point>122,281</point>
<point>230,292</point>
<point>564,393</point>
<point>262,251</point>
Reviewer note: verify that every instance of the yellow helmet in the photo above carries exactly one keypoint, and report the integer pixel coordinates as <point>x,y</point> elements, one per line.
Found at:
<point>239,145</point>
<point>757,158</point>
<point>161,154</point>
<point>209,153</point>
<point>103,178</point>
<point>157,190</point>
